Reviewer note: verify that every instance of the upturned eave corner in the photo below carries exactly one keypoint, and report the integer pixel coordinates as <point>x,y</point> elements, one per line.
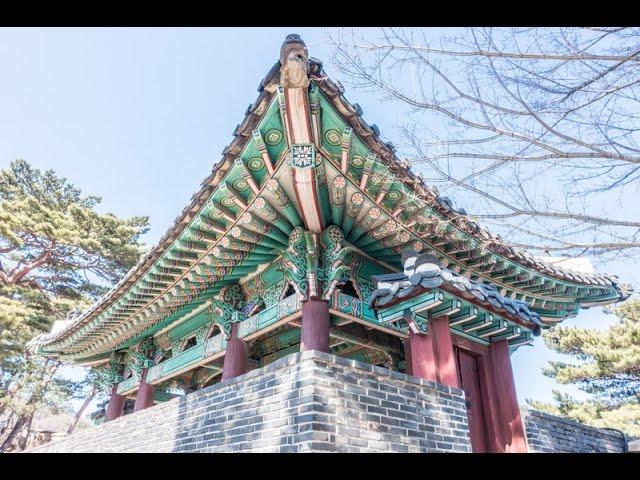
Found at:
<point>323,192</point>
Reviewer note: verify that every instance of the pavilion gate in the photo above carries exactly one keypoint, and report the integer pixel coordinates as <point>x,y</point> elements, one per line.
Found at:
<point>310,234</point>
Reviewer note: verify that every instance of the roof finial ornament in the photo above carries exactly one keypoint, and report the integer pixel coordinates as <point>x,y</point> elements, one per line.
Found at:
<point>294,59</point>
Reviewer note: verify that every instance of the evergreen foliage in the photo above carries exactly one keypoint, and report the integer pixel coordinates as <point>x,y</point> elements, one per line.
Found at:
<point>607,368</point>
<point>58,254</point>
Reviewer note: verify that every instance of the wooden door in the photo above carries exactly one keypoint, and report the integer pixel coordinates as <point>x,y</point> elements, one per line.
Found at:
<point>470,383</point>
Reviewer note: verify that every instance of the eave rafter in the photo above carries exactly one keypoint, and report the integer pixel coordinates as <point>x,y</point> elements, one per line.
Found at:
<point>304,157</point>
<point>398,225</point>
<point>370,146</point>
<point>224,242</point>
<point>480,322</point>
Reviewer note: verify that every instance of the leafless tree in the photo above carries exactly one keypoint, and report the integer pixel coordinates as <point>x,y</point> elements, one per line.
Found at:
<point>536,129</point>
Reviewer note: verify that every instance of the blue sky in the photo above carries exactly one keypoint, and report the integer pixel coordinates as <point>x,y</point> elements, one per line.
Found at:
<point>140,116</point>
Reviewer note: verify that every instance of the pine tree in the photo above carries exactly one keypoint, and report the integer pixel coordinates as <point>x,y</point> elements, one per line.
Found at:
<point>608,369</point>
<point>58,254</point>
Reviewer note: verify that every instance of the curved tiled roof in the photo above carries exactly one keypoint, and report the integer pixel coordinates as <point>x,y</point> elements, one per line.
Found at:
<point>427,274</point>
<point>242,133</point>
<point>442,204</point>
<point>385,151</point>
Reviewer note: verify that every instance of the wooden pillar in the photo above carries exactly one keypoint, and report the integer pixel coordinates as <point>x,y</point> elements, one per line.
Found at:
<point>408,367</point>
<point>236,356</point>
<point>314,334</point>
<point>419,355</point>
<point>115,407</point>
<point>432,356</point>
<point>447,372</point>
<point>144,397</point>
<point>511,432</point>
<point>493,426</point>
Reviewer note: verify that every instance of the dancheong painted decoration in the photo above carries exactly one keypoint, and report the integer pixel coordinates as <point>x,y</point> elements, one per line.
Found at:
<point>310,234</point>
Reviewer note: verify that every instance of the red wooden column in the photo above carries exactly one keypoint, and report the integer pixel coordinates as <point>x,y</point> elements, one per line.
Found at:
<point>236,356</point>
<point>431,355</point>
<point>144,397</point>
<point>420,357</point>
<point>512,437</point>
<point>447,372</point>
<point>115,407</point>
<point>493,425</point>
<point>314,334</point>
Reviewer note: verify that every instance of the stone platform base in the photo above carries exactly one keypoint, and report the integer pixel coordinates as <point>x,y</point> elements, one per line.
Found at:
<point>316,402</point>
<point>306,402</point>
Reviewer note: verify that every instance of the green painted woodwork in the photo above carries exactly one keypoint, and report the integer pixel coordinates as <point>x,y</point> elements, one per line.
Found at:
<point>464,318</point>
<point>197,354</point>
<point>480,322</point>
<point>128,385</point>
<point>419,304</point>
<point>187,328</point>
<point>250,224</point>
<point>271,315</point>
<point>386,193</point>
<point>356,308</point>
<point>109,374</point>
<point>160,396</point>
<point>447,307</point>
<point>283,203</point>
<point>222,208</point>
<point>272,357</point>
<point>275,345</point>
<point>176,363</point>
<point>323,191</point>
<point>464,315</point>
<point>316,263</point>
<point>141,356</point>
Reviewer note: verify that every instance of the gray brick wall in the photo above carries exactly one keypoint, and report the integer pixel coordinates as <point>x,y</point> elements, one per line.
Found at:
<point>306,402</point>
<point>548,433</point>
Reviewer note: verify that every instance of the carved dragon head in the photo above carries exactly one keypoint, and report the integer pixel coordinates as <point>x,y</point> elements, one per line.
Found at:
<point>294,58</point>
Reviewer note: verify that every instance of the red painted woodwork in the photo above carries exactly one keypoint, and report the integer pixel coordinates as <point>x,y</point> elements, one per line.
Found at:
<point>494,387</point>
<point>419,355</point>
<point>408,369</point>
<point>513,437</point>
<point>115,408</point>
<point>470,383</point>
<point>236,356</point>
<point>314,334</point>
<point>144,396</point>
<point>466,344</point>
<point>444,353</point>
<point>492,425</point>
<point>432,356</point>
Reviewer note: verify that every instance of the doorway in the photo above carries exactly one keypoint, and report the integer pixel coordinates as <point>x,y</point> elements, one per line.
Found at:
<point>469,373</point>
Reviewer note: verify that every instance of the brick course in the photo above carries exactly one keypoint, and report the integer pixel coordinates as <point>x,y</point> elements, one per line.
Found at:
<point>306,402</point>
<point>316,402</point>
<point>548,433</point>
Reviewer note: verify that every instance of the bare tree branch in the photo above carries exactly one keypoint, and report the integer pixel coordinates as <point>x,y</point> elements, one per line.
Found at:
<point>538,128</point>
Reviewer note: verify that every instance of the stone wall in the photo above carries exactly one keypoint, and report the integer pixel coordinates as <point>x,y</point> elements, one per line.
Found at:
<point>549,434</point>
<point>314,401</point>
<point>308,401</point>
